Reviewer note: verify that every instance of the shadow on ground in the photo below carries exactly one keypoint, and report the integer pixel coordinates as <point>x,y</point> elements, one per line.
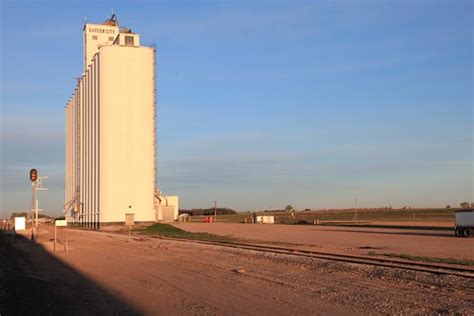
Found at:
<point>33,282</point>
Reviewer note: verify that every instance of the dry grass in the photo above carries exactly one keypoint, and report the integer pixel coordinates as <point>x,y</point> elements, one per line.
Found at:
<point>167,230</point>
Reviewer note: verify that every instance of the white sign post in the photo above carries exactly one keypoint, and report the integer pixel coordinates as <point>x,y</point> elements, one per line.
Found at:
<point>20,223</point>
<point>60,223</point>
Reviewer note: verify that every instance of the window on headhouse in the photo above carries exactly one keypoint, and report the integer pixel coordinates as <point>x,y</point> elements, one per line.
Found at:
<point>129,40</point>
<point>111,38</point>
<point>94,37</point>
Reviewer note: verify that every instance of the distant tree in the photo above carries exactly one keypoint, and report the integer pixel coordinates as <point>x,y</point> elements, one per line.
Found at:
<point>289,208</point>
<point>208,211</point>
<point>465,204</point>
<point>307,210</point>
<point>19,214</point>
<point>448,206</point>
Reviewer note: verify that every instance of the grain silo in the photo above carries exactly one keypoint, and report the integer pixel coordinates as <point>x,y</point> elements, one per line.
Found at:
<point>111,130</point>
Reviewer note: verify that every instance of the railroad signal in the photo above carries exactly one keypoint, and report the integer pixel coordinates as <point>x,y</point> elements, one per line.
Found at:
<point>33,175</point>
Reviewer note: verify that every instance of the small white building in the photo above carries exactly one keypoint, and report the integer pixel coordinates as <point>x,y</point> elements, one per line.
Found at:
<point>266,219</point>
<point>167,208</point>
<point>184,218</point>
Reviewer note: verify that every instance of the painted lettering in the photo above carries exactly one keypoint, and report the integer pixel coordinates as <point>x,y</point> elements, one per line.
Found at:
<point>99,30</point>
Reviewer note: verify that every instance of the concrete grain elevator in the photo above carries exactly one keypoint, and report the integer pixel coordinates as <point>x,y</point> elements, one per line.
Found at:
<point>111,165</point>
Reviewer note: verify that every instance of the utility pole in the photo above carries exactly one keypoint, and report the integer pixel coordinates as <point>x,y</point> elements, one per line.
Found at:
<point>215,211</point>
<point>33,208</point>
<point>39,187</point>
<point>356,209</point>
<point>36,185</point>
<point>33,179</point>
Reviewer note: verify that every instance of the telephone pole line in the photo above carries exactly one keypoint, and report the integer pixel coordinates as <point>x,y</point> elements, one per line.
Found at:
<point>215,211</point>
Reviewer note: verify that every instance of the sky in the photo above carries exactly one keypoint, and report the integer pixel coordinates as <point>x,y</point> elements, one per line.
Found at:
<point>261,104</point>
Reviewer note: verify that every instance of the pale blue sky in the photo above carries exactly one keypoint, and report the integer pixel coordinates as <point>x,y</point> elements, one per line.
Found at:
<point>262,103</point>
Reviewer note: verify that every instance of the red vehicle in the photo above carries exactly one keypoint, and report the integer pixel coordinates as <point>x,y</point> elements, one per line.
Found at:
<point>208,219</point>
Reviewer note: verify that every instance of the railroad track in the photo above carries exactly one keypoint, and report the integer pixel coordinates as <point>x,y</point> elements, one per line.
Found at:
<point>439,269</point>
<point>357,259</point>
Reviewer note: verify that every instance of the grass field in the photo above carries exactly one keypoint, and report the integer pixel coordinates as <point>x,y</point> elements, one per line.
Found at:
<point>167,230</point>
<point>396,215</point>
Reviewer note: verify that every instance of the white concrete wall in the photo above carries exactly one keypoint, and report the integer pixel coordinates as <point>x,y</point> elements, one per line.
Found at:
<point>173,200</point>
<point>95,36</point>
<point>110,118</point>
<point>126,133</point>
<point>71,178</point>
<point>121,39</point>
<point>166,202</point>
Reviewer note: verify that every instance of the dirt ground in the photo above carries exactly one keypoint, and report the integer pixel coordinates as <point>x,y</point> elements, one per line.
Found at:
<point>415,242</point>
<point>408,223</point>
<point>35,282</point>
<point>104,273</point>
